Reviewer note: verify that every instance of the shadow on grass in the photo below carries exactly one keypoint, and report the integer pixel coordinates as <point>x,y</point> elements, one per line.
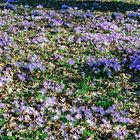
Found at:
<point>113,6</point>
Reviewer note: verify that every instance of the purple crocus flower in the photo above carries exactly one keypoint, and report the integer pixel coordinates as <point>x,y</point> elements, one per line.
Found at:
<point>59,88</point>
<point>133,15</point>
<point>50,101</point>
<point>71,62</point>
<point>135,61</point>
<point>38,13</point>
<point>39,39</point>
<point>107,26</point>
<point>100,110</point>
<point>57,22</point>
<point>26,24</point>
<point>88,114</point>
<point>22,76</point>
<point>32,125</point>
<point>2,105</point>
<point>2,23</point>
<point>116,16</point>
<point>43,90</point>
<point>58,56</point>
<point>129,50</point>
<point>70,117</point>
<point>5,40</point>
<point>111,109</point>
<point>35,65</point>
<point>40,120</point>
<point>21,118</point>
<point>125,120</point>
<point>49,85</point>
<point>3,79</point>
<point>120,133</point>
<point>137,136</point>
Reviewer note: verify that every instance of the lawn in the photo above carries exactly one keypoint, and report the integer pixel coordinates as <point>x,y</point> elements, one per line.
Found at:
<point>70,71</point>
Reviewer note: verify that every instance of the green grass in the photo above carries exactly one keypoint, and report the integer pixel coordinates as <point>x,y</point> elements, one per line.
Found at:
<point>2,122</point>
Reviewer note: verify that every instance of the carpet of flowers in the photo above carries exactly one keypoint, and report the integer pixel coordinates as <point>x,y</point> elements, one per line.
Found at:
<point>69,74</point>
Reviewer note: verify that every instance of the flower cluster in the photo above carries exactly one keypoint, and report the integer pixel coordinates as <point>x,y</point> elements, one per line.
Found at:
<point>51,85</point>
<point>104,65</point>
<point>2,23</point>
<point>135,61</point>
<point>5,40</point>
<point>34,63</point>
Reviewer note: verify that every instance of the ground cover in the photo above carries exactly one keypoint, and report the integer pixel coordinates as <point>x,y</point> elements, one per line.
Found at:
<point>70,73</point>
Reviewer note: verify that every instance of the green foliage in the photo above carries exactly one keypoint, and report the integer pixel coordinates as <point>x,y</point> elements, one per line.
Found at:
<point>40,97</point>
<point>7,138</point>
<point>64,119</point>
<point>105,103</point>
<point>2,121</point>
<point>34,135</point>
<point>83,88</point>
<point>87,132</point>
